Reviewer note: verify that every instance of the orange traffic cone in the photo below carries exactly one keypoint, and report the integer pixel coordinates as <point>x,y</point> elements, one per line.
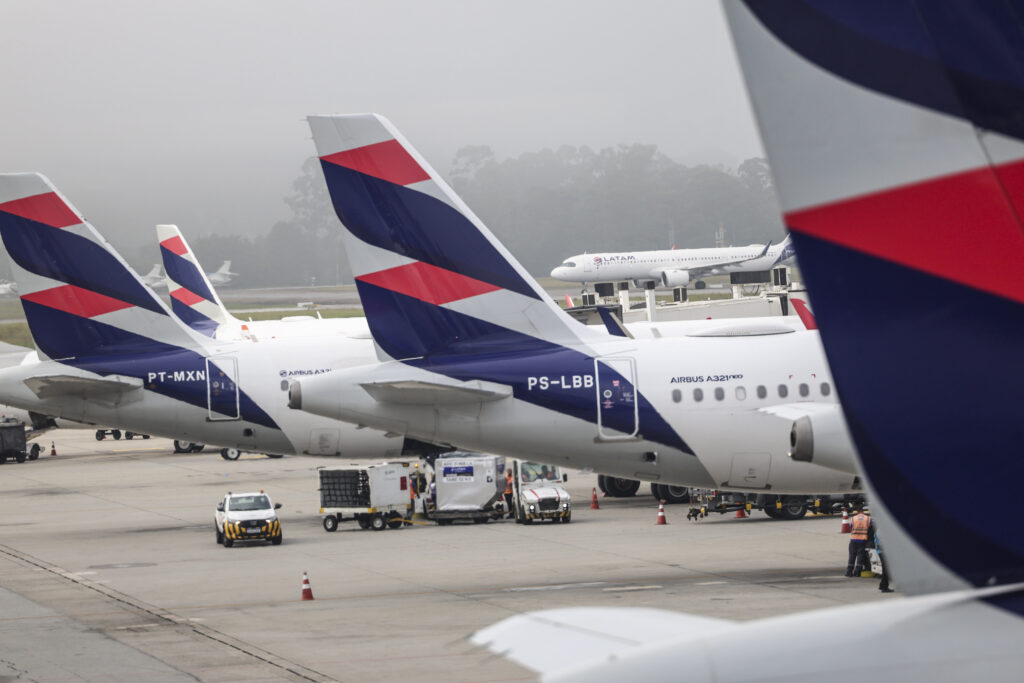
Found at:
<point>53,448</point>
<point>661,513</point>
<point>593,500</point>
<point>845,529</point>
<point>740,514</point>
<point>307,592</point>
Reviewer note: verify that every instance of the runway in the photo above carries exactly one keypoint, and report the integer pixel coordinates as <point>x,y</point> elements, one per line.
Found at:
<point>109,571</point>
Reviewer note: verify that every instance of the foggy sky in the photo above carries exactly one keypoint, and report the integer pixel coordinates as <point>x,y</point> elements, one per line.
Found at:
<point>192,112</point>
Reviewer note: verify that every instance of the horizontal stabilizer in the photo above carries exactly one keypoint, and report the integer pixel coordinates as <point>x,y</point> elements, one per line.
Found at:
<point>436,393</point>
<point>55,386</point>
<point>553,640</point>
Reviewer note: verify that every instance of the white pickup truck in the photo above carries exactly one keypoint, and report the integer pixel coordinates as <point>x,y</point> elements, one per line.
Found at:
<point>537,493</point>
<point>247,517</point>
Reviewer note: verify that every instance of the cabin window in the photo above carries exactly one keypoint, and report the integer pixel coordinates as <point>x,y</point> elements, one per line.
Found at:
<point>698,395</point>
<point>804,390</point>
<point>825,389</point>
<point>677,396</point>
<point>762,392</point>
<point>783,391</point>
<point>741,393</point>
<point>719,393</point>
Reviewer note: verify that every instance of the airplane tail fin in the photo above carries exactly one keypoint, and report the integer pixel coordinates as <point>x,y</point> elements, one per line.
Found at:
<point>904,161</point>
<point>225,268</point>
<point>193,298</point>
<point>429,273</point>
<point>80,297</point>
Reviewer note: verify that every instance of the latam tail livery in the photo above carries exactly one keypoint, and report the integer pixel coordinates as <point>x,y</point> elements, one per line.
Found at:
<point>475,354</point>
<point>109,352</point>
<point>894,130</point>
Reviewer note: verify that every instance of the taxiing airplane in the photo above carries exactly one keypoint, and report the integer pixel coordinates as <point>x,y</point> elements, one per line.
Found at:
<point>673,267</point>
<point>222,275</point>
<point>901,161</point>
<point>109,351</point>
<point>475,354</point>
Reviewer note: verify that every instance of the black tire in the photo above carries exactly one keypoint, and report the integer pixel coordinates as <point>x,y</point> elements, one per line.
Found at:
<point>657,490</point>
<point>330,523</point>
<point>378,523</point>
<point>34,451</point>
<point>228,542</point>
<point>771,510</point>
<point>116,433</point>
<point>481,520</point>
<point>180,446</point>
<point>277,540</point>
<point>274,455</point>
<point>145,436</point>
<point>395,521</point>
<point>793,507</point>
<point>20,456</point>
<point>129,435</point>
<point>100,435</point>
<point>220,536</point>
<point>601,484</point>
<point>198,447</point>
<point>675,494</point>
<point>567,518</point>
<point>230,453</point>
<point>364,523</point>
<point>618,487</point>
<point>3,458</point>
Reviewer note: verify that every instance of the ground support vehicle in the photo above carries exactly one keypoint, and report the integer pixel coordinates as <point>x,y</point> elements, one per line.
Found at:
<point>467,486</point>
<point>375,496</point>
<point>247,517</point>
<point>538,494</point>
<point>12,442</point>
<point>704,502</point>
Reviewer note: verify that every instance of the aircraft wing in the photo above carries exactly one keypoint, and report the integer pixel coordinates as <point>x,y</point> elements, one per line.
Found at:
<point>554,640</point>
<point>421,392</point>
<point>55,386</point>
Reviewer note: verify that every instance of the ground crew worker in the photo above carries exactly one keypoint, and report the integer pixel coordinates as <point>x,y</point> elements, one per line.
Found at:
<point>858,543</point>
<point>883,584</point>
<point>508,492</point>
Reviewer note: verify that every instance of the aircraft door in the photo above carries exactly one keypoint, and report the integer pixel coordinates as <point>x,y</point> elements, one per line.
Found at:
<point>222,388</point>
<point>617,416</point>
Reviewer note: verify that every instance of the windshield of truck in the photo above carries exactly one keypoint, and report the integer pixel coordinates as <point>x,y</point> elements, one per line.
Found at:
<point>535,472</point>
<point>246,503</point>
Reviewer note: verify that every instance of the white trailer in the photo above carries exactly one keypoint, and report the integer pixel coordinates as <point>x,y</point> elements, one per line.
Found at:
<point>376,496</point>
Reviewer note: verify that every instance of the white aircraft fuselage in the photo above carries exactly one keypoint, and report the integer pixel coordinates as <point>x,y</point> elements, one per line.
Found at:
<point>704,417</point>
<point>671,267</point>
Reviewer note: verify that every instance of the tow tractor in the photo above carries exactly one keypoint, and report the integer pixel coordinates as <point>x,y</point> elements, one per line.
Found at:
<point>537,493</point>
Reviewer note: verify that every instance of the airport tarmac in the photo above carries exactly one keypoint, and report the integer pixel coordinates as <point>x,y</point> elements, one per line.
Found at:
<point>109,570</point>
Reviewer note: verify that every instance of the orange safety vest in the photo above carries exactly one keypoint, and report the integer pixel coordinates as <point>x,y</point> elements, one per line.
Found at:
<point>508,481</point>
<point>861,524</point>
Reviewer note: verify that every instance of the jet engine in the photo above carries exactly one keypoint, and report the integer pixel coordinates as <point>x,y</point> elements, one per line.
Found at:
<point>821,437</point>
<point>675,278</point>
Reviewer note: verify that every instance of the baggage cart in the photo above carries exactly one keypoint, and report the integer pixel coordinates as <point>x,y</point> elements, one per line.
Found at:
<point>375,496</point>
<point>12,442</point>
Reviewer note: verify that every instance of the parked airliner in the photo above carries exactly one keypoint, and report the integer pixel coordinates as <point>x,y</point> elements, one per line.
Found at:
<point>673,267</point>
<point>109,351</point>
<point>908,132</point>
<point>475,354</point>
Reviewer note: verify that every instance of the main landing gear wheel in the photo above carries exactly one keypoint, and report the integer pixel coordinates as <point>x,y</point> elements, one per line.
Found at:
<point>179,445</point>
<point>617,487</point>
<point>230,453</point>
